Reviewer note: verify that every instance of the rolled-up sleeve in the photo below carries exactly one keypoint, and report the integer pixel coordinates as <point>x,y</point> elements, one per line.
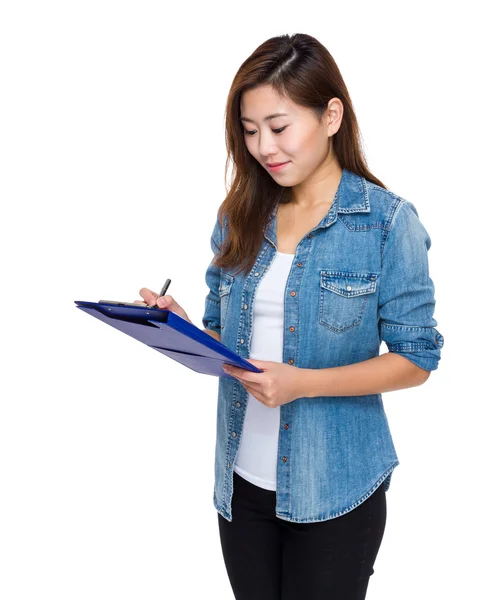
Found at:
<point>211,317</point>
<point>406,292</point>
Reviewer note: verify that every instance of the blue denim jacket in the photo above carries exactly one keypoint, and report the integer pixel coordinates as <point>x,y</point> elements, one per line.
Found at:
<point>358,278</point>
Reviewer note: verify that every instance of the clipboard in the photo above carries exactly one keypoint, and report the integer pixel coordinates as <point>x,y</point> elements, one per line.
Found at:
<point>170,334</point>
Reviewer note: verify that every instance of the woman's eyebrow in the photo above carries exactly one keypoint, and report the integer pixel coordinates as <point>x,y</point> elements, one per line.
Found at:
<point>273,116</point>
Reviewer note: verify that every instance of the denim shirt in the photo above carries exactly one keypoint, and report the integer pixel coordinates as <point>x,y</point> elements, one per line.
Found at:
<point>358,278</point>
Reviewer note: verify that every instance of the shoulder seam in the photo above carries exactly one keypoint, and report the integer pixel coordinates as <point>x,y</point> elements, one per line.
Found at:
<point>394,211</point>
<point>398,204</point>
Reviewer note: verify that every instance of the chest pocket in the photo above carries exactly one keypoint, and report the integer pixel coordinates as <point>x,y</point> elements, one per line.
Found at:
<point>343,298</point>
<point>225,284</point>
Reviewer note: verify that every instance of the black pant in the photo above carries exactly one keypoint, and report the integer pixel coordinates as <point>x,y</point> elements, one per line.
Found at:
<point>268,558</point>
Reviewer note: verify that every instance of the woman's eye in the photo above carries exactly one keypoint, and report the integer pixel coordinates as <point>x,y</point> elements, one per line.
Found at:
<point>251,133</point>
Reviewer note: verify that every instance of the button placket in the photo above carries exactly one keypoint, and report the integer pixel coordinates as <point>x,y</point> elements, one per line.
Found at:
<point>293,294</point>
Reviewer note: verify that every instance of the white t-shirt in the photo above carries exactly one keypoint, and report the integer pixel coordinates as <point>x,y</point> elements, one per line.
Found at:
<point>256,460</point>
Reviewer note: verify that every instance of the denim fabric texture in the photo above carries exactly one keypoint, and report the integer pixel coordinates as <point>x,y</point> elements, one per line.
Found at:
<point>358,278</point>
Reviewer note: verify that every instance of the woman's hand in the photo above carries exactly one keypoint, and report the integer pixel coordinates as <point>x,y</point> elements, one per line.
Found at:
<point>166,302</point>
<point>277,385</point>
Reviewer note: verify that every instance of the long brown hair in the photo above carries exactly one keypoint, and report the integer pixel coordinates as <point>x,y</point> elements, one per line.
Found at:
<point>300,68</point>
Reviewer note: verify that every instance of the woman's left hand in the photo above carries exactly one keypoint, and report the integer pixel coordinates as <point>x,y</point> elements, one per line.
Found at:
<point>278,384</point>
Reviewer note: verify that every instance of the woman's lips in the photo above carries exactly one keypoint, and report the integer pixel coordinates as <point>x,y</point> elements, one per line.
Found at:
<point>277,167</point>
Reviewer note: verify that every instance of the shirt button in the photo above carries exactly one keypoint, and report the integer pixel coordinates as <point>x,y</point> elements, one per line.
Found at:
<point>256,274</point>
<point>299,264</point>
<point>228,465</point>
<point>291,361</point>
<point>293,293</point>
<point>245,307</point>
<point>242,341</point>
<point>349,288</point>
<point>234,434</point>
<point>291,328</point>
<point>284,459</point>
<point>286,426</point>
<point>238,404</point>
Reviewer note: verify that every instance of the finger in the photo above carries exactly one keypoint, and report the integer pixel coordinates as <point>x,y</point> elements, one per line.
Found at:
<point>168,301</point>
<point>253,389</point>
<point>149,296</point>
<point>246,376</point>
<point>256,391</point>
<point>260,397</point>
<point>233,370</point>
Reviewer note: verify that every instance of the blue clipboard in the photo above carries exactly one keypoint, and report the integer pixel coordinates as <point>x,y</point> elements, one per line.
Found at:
<point>166,332</point>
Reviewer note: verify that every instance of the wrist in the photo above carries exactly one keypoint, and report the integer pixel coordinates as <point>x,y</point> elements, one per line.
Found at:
<point>306,383</point>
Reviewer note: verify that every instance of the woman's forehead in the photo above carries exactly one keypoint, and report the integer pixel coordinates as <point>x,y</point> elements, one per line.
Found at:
<point>264,103</point>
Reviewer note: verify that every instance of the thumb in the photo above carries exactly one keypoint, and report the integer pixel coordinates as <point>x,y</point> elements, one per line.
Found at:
<point>261,364</point>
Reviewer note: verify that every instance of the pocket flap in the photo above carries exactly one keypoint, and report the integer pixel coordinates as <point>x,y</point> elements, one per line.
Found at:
<point>348,284</point>
<point>226,281</point>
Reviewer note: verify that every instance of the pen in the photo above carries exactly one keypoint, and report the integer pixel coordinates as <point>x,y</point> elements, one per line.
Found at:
<point>163,290</point>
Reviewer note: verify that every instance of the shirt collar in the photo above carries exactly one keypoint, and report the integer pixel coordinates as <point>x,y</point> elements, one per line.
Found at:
<point>352,196</point>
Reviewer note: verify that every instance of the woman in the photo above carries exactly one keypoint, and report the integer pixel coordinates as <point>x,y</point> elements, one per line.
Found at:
<point>316,263</point>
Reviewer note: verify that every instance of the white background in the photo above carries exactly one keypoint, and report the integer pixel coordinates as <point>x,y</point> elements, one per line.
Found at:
<point>112,169</point>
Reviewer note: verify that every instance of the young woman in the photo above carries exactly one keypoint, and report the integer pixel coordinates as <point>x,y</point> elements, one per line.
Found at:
<point>316,263</point>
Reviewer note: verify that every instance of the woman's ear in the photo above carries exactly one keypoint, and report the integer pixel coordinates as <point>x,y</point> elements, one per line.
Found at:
<point>334,115</point>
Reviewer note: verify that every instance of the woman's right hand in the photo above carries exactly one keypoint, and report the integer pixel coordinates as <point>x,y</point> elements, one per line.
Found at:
<point>166,302</point>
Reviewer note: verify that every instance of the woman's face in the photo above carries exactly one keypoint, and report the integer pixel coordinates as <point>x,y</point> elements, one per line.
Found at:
<point>296,137</point>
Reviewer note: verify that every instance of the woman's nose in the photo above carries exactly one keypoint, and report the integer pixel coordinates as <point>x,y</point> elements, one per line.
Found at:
<point>267,146</point>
